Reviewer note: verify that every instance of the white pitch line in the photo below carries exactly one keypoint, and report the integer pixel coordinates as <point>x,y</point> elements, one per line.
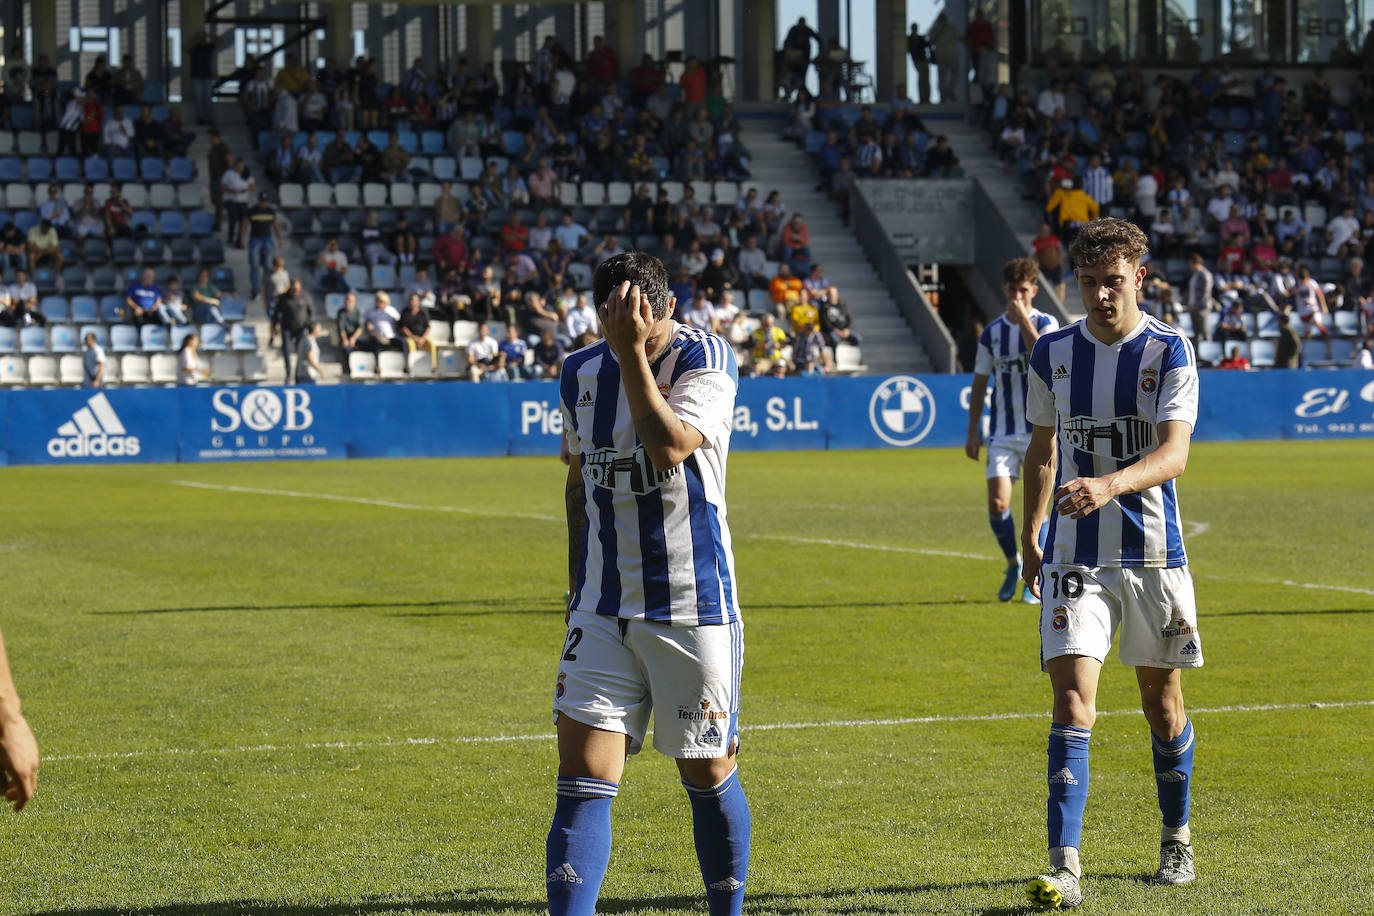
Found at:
<point>362,500</point>
<point>1197,528</point>
<point>767,727</point>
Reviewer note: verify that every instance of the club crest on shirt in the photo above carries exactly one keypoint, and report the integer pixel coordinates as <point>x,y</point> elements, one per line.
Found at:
<point>1149,381</point>
<point>1060,619</point>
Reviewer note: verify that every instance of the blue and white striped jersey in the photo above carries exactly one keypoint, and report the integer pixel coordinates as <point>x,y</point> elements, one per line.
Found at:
<point>1003,357</point>
<point>1106,402</point>
<point>655,546</point>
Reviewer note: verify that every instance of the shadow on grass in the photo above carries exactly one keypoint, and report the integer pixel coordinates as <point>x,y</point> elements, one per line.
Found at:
<point>839,902</point>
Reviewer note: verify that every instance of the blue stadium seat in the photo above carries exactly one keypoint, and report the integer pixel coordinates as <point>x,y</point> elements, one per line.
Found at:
<point>73,278</point>
<point>39,168</point>
<point>378,138</point>
<point>54,308</point>
<point>26,220</point>
<point>223,277</point>
<point>202,223</point>
<point>213,337</point>
<point>152,338</point>
<point>183,250</point>
<point>33,339</point>
<point>124,169</point>
<point>445,168</point>
<point>8,339</point>
<point>432,142</point>
<point>123,251</point>
<point>123,338</point>
<point>145,218</point>
<point>243,337</point>
<point>408,141</point>
<point>11,169</point>
<point>112,309</point>
<point>513,141</point>
<point>63,339</point>
<point>85,309</point>
<point>179,333</point>
<point>151,168</point>
<point>153,251</point>
<point>212,251</point>
<point>232,308</point>
<point>383,277</point>
<point>45,278</point>
<point>171,223</point>
<point>95,168</point>
<point>180,169</point>
<point>21,117</point>
<point>153,94</point>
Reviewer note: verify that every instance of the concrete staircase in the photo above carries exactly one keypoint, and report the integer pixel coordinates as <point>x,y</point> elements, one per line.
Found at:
<point>889,344</point>
<point>971,145</point>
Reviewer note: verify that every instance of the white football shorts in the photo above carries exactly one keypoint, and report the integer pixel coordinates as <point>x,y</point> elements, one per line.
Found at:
<point>1006,455</point>
<point>1081,608</point>
<point>614,672</point>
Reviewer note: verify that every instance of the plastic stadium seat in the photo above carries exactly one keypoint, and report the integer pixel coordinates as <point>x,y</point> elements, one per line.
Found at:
<point>1266,325</point>
<point>290,195</point>
<point>593,193</point>
<point>1184,323</point>
<point>402,194</point>
<point>183,251</point>
<point>231,307</point>
<point>618,193</point>
<point>190,197</point>
<point>162,368</point>
<point>13,370</point>
<point>43,370</point>
<point>302,222</point>
<point>145,218</point>
<point>54,308</point>
<point>124,168</point>
<point>347,195</point>
<point>211,251</point>
<point>243,336</point>
<point>67,168</point>
<point>674,189</point>
<point>74,277</point>
<point>223,277</point>
<point>152,338</point>
<point>102,335</point>
<point>180,169</point>
<point>470,168</point>
<point>134,369</point>
<point>162,196</point>
<point>1209,351</point>
<point>254,368</point>
<point>213,337</point>
<point>202,223</point>
<point>95,169</point>
<point>444,168</point>
<point>19,196</point>
<point>85,308</point>
<point>848,358</point>
<point>383,277</point>
<point>33,339</point>
<point>151,168</point>
<point>112,309</point>
<point>374,194</point>
<point>153,251</point>
<point>224,367</point>
<point>8,340</point>
<point>11,169</point>
<point>319,195</point>
<point>177,334</point>
<point>124,338</point>
<point>39,168</point>
<point>760,301</point>
<point>71,370</point>
<point>362,365</point>
<point>392,364</point>
<point>1347,323</point>
<point>431,142</point>
<point>63,339</point>
<point>356,276</point>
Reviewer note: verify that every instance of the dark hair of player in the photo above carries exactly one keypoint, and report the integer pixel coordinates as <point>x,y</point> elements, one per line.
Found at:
<point>1020,270</point>
<point>642,270</point>
<point>1108,240</point>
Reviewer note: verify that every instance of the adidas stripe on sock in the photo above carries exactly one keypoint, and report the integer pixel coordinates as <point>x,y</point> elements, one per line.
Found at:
<point>721,826</point>
<point>579,845</point>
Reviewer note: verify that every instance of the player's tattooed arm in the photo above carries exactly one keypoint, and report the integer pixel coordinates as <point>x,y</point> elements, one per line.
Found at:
<point>574,500</point>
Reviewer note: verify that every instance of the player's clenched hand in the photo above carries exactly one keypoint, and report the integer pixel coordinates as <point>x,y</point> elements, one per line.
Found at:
<point>972,443</point>
<point>18,761</point>
<point>1031,558</point>
<point>626,319</point>
<point>1082,496</point>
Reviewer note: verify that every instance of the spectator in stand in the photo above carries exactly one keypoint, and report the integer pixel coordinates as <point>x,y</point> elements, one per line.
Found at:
<point>92,120</point>
<point>235,186</point>
<point>645,80</point>
<point>1075,208</point>
<point>43,246</point>
<point>380,324</point>
<point>796,245</point>
<point>349,324</point>
<point>282,164</point>
<point>330,267</point>
<point>1235,359</point>
<point>1230,256</point>
<point>514,236</point>
<point>1231,326</point>
<point>602,62</point>
<point>13,246</point>
<point>68,128</point>
<point>1049,254</point>
<point>404,241</point>
<point>1291,233</point>
<point>768,343</point>
<point>263,235</point>
<point>582,319</point>
<point>93,362</point>
<point>1200,282</point>
<point>205,300</point>
<point>484,357</point>
<point>548,356</point>
<point>1343,233</point>
<point>394,159</point>
<point>22,309</point>
<point>511,355</point>
<point>423,287</point>
<point>189,369</point>
<point>753,263</point>
<point>174,302</point>
<point>786,290</point>
<point>836,322</point>
<point>700,314</point>
<point>692,83</point>
<point>719,276</point>
<point>544,186</point>
<point>694,259</point>
<point>292,315</point>
<point>310,162</point>
<point>1288,348</point>
<point>147,136</point>
<point>375,251</point>
<point>570,234</point>
<point>143,300</point>
<point>448,210</point>
<point>118,213</point>
<point>309,370</point>
<point>340,160</point>
<point>118,134</point>
<point>415,331</point>
<point>809,352</point>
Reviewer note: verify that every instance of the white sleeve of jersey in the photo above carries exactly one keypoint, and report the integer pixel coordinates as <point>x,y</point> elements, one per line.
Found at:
<point>982,363</point>
<point>1039,401</point>
<point>569,434</point>
<point>1178,392</point>
<point>705,398</point>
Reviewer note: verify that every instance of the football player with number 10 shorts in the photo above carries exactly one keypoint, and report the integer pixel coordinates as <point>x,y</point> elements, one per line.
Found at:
<point>1115,396</point>
<point>653,620</point>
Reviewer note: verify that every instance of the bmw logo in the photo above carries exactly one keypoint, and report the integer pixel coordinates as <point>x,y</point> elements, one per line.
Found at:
<point>902,411</point>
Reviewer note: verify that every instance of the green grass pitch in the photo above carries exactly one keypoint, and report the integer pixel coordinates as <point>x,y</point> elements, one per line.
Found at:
<point>255,701</point>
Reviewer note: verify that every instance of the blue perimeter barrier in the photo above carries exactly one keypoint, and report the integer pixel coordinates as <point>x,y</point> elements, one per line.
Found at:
<point>453,419</point>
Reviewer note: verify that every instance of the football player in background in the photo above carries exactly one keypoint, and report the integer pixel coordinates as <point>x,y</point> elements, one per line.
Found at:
<point>1004,350</point>
<point>1116,397</point>
<point>653,621</point>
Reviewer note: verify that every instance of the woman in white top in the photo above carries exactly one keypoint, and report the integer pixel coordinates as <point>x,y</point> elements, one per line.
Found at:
<point>189,369</point>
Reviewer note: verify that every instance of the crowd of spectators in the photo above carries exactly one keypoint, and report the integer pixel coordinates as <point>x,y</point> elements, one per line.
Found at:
<point>1258,196</point>
<point>502,257</point>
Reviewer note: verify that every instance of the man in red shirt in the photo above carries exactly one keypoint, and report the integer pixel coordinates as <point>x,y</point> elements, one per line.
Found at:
<point>1234,360</point>
<point>980,37</point>
<point>796,245</point>
<point>451,251</point>
<point>514,236</point>
<point>693,82</point>
<point>602,62</point>
<point>644,81</point>
<point>1049,254</point>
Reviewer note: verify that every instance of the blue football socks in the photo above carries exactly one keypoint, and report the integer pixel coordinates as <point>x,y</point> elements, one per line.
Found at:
<point>579,845</point>
<point>721,827</point>
<point>1068,776</point>
<point>1173,775</point>
<point>1004,526</point>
